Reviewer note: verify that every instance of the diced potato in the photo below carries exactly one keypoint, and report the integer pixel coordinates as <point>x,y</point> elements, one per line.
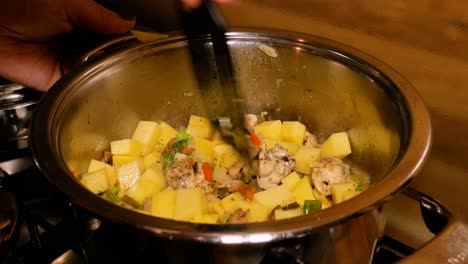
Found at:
<point>200,127</point>
<point>284,214</point>
<point>128,174</point>
<point>206,219</point>
<point>291,180</point>
<point>147,133</point>
<point>217,138</point>
<point>269,129</point>
<point>304,157</point>
<point>220,175</point>
<point>303,191</point>
<point>138,192</point>
<point>234,201</point>
<point>274,196</point>
<point>189,203</point>
<point>166,133</point>
<point>123,159</point>
<point>126,147</point>
<point>258,212</point>
<point>293,131</point>
<point>151,159</point>
<point>155,174</point>
<point>203,149</point>
<point>215,206</point>
<point>323,199</point>
<point>292,148</point>
<point>337,145</point>
<point>96,181</point>
<point>163,203</point>
<point>343,191</point>
<point>95,165</point>
<point>225,155</point>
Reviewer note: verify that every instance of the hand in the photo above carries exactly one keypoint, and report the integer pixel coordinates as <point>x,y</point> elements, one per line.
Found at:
<point>29,30</point>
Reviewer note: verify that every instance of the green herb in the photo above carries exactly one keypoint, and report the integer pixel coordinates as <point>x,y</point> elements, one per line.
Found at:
<point>308,90</point>
<point>175,145</point>
<point>359,186</point>
<point>311,206</point>
<point>182,135</point>
<point>293,76</point>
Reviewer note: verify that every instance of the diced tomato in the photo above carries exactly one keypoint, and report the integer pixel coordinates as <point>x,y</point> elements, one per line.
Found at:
<point>207,171</point>
<point>190,161</point>
<point>166,150</point>
<point>255,140</point>
<point>188,150</point>
<point>75,173</point>
<point>247,191</point>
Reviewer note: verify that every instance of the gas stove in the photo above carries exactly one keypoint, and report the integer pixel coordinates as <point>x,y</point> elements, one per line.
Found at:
<point>38,224</point>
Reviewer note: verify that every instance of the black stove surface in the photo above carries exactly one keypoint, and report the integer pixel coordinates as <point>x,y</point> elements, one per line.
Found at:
<point>53,230</point>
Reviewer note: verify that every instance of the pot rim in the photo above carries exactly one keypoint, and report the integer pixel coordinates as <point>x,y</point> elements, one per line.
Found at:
<point>44,144</point>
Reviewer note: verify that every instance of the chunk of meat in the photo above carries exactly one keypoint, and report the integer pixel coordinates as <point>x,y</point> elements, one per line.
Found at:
<point>106,157</point>
<point>327,171</point>
<point>180,174</point>
<point>250,121</point>
<point>239,216</point>
<point>310,140</point>
<point>274,165</point>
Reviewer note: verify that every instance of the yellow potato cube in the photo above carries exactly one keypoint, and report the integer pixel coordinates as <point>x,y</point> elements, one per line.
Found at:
<point>155,174</point>
<point>123,159</point>
<point>215,207</point>
<point>291,180</point>
<point>323,199</point>
<point>128,174</point>
<point>343,191</point>
<point>96,181</point>
<point>138,192</point>
<point>234,201</point>
<point>273,197</point>
<point>303,191</point>
<point>126,147</point>
<point>203,149</point>
<point>292,148</point>
<point>166,133</point>
<point>217,138</point>
<point>337,145</point>
<point>189,203</point>
<point>147,133</point>
<point>200,127</point>
<point>285,214</point>
<point>206,219</point>
<point>258,212</point>
<point>269,129</point>
<point>293,131</point>
<point>95,165</point>
<point>163,203</point>
<point>151,159</point>
<point>304,157</point>
<point>225,155</point>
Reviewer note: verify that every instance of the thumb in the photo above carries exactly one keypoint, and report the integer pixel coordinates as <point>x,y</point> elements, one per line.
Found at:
<point>94,17</point>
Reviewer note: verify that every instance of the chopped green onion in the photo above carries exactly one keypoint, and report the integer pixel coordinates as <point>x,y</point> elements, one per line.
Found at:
<point>114,190</point>
<point>182,135</point>
<point>311,206</point>
<point>359,186</point>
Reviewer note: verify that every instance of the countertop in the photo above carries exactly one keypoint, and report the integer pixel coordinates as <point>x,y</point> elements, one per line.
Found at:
<point>425,40</point>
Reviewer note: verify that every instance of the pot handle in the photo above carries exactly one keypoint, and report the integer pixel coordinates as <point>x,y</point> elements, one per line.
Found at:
<point>450,245</point>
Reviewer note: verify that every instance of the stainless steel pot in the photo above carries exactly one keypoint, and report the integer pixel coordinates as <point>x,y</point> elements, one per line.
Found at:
<point>327,85</point>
